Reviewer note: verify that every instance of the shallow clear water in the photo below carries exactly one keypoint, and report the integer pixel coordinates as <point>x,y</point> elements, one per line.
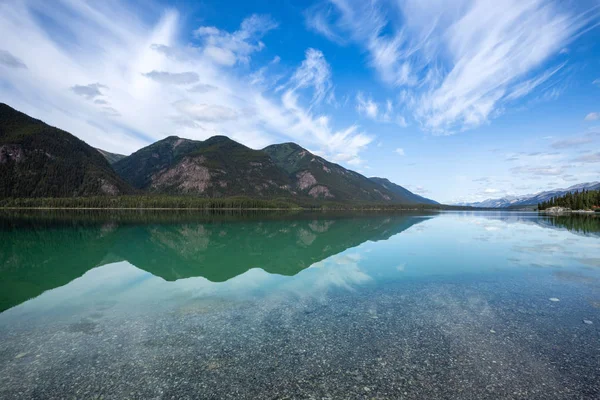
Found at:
<point>183,305</point>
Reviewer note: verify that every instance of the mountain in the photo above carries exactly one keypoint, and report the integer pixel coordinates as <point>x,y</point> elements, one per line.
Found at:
<point>216,167</point>
<point>532,199</point>
<point>38,160</point>
<point>111,157</point>
<point>318,178</point>
<point>220,167</point>
<point>400,191</point>
<point>504,202</point>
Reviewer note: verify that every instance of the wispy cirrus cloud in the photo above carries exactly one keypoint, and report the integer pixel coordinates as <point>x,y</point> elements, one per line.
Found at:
<point>366,106</point>
<point>546,170</point>
<point>315,73</point>
<point>593,116</point>
<point>588,158</point>
<point>457,64</point>
<point>230,48</point>
<point>160,85</point>
<point>577,141</point>
<point>379,112</point>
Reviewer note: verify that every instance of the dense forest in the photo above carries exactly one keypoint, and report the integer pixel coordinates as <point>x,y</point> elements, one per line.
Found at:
<point>151,201</point>
<point>191,202</point>
<point>147,201</point>
<point>584,200</point>
<point>38,160</point>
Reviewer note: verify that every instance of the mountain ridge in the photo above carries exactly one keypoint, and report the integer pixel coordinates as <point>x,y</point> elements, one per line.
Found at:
<point>37,160</point>
<point>393,187</point>
<point>316,177</point>
<point>531,199</point>
<point>111,157</point>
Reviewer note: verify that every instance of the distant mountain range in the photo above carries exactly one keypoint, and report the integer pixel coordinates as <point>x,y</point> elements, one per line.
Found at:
<point>531,199</point>
<point>37,160</point>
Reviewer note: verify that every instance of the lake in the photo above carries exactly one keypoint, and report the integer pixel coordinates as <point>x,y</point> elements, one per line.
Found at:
<point>151,305</point>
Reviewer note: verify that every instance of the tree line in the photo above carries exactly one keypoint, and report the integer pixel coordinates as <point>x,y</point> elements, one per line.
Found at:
<point>191,202</point>
<point>584,200</point>
<point>141,202</point>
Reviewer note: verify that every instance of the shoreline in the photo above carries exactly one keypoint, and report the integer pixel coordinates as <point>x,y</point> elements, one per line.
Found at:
<point>563,212</point>
<point>215,209</point>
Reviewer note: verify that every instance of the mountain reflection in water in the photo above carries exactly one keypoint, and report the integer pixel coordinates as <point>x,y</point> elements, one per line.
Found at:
<point>38,254</point>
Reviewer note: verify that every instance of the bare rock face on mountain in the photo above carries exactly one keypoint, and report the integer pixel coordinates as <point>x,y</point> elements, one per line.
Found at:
<point>38,160</point>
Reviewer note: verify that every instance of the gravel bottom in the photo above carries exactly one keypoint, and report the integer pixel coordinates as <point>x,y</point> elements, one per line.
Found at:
<point>403,340</point>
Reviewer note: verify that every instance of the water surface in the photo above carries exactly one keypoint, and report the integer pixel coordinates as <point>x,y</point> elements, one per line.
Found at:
<point>184,305</point>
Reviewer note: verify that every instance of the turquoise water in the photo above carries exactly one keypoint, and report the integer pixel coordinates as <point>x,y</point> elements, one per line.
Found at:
<point>183,305</point>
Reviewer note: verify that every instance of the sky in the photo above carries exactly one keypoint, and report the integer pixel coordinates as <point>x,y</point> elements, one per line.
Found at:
<point>456,100</point>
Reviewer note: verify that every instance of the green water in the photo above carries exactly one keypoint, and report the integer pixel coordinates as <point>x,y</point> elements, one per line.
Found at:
<point>185,305</point>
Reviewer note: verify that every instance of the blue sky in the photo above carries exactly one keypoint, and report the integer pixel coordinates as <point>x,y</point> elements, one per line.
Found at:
<point>457,100</point>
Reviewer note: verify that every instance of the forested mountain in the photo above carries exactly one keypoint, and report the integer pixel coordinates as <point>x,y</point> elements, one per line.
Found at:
<point>401,191</point>
<point>316,177</point>
<point>216,167</point>
<point>111,157</point>
<point>38,160</point>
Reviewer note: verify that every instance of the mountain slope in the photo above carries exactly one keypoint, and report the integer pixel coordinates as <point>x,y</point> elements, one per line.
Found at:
<point>400,191</point>
<point>139,168</point>
<point>532,199</point>
<point>216,167</point>
<point>38,160</point>
<point>315,177</point>
<point>111,157</point>
<point>318,178</point>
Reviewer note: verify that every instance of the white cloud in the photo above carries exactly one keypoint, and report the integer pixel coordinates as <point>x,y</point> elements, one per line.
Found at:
<point>588,158</point>
<point>366,106</point>
<point>228,48</point>
<point>205,112</point>
<point>593,116</point>
<point>596,82</point>
<point>8,60</point>
<point>90,91</point>
<point>399,151</point>
<point>314,73</point>
<point>204,90</point>
<point>173,78</point>
<point>539,170</point>
<point>576,141</point>
<point>457,63</point>
<point>369,108</point>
